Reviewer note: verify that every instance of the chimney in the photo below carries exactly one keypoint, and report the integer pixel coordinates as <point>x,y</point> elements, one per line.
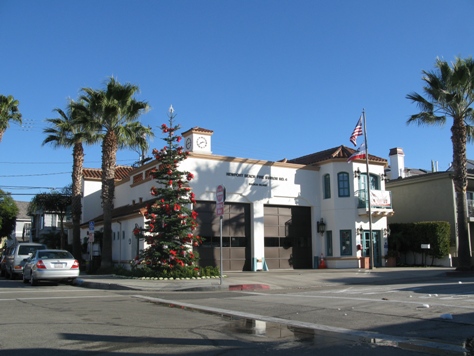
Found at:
<point>397,163</point>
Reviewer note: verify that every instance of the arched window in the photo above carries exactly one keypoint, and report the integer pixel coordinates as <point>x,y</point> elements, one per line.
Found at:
<point>343,186</point>
<point>374,182</point>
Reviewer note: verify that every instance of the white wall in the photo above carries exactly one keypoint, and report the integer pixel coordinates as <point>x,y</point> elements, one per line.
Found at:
<point>91,207</point>
<point>257,183</point>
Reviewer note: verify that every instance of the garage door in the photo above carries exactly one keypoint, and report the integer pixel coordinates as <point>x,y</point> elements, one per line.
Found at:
<point>235,235</point>
<point>288,237</point>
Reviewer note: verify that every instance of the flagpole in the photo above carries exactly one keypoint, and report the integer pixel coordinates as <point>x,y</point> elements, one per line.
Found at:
<point>371,243</point>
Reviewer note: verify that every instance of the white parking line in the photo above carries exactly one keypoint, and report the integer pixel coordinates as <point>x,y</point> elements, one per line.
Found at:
<point>16,291</point>
<point>78,297</point>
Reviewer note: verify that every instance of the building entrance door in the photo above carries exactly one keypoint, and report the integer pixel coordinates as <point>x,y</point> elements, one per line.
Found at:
<point>366,246</point>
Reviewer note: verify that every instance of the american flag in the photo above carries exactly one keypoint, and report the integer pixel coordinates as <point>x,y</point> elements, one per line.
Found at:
<point>357,132</point>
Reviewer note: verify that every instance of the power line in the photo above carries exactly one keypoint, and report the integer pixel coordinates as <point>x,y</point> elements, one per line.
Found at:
<point>36,162</point>
<point>33,175</point>
<point>69,162</point>
<point>26,187</point>
<point>22,193</point>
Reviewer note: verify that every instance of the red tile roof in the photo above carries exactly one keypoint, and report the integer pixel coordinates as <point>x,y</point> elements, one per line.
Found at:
<point>121,172</point>
<point>340,152</point>
<point>125,210</point>
<point>198,129</point>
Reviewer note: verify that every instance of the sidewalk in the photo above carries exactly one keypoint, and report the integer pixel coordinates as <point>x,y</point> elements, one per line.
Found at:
<point>277,279</point>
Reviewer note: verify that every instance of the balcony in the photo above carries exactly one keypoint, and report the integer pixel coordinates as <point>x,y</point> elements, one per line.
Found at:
<point>380,202</point>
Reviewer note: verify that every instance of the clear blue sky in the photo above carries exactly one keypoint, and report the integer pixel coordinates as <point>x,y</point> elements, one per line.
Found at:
<point>271,78</point>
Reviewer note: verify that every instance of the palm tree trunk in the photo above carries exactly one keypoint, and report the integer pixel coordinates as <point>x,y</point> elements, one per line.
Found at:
<point>458,139</point>
<point>78,157</point>
<point>109,158</point>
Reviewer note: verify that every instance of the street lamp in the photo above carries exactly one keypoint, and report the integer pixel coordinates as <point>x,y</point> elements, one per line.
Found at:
<point>321,226</point>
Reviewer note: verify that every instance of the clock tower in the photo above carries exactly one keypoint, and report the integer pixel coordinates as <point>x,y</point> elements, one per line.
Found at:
<point>197,140</point>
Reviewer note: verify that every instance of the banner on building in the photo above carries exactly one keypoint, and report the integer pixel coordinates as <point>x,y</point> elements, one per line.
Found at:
<point>380,198</point>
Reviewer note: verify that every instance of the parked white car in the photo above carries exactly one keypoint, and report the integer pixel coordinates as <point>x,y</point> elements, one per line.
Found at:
<point>50,265</point>
<point>14,260</point>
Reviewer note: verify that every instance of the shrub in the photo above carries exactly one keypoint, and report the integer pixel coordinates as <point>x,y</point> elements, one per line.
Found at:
<point>408,237</point>
<point>173,273</point>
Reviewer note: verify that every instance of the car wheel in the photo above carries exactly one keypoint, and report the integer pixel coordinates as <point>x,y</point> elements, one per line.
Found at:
<point>33,281</point>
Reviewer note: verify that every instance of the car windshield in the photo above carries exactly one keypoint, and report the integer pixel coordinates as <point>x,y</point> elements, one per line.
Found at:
<point>54,254</point>
<point>25,250</point>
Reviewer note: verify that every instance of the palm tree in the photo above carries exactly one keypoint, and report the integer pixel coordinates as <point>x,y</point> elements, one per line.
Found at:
<point>8,112</point>
<point>114,113</point>
<point>55,203</point>
<point>68,131</point>
<point>449,92</point>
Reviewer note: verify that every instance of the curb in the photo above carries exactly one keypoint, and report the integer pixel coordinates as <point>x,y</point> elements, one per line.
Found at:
<point>114,286</point>
<point>95,285</point>
<point>248,287</point>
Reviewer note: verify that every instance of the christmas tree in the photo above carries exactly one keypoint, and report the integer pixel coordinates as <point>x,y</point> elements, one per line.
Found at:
<point>171,221</point>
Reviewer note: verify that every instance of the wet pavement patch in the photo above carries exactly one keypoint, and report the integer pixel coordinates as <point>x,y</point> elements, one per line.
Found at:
<point>275,328</point>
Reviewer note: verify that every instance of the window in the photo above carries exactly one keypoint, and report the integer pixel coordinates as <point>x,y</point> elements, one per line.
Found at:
<point>327,186</point>
<point>214,241</point>
<point>343,184</point>
<point>328,243</point>
<point>374,182</point>
<point>137,178</point>
<point>149,173</point>
<point>346,243</point>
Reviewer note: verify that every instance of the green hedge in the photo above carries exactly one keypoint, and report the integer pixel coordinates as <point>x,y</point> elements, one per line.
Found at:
<point>408,237</point>
<point>177,272</point>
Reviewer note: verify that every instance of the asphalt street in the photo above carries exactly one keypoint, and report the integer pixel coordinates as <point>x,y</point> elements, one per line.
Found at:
<point>423,309</point>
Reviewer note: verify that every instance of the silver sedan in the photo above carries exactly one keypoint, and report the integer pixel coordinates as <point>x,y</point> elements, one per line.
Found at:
<point>50,265</point>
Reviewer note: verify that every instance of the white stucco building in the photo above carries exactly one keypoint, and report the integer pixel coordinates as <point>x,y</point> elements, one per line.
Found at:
<point>274,211</point>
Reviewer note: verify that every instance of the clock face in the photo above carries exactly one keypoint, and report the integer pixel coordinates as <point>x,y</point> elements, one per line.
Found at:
<point>201,142</point>
<point>188,143</point>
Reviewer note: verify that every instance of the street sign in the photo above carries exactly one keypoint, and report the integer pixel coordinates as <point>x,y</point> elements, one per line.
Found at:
<point>91,232</point>
<point>220,199</point>
<point>91,237</point>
